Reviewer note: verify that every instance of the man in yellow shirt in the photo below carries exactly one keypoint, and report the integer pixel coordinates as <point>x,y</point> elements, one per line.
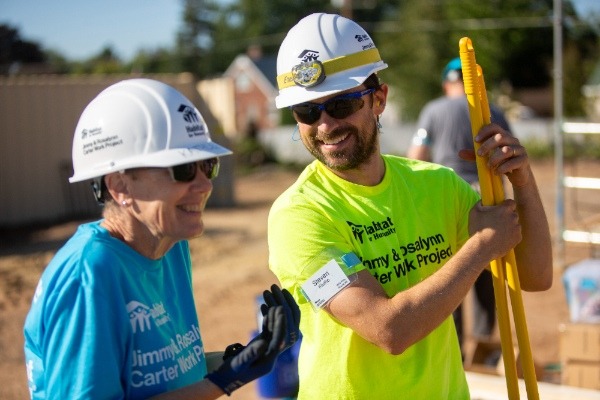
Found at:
<point>377,249</point>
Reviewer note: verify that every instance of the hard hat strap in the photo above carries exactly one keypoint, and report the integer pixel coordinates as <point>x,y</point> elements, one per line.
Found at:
<point>334,66</point>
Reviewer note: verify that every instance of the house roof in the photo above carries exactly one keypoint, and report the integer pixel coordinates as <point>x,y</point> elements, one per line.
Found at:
<point>263,71</point>
<point>268,66</point>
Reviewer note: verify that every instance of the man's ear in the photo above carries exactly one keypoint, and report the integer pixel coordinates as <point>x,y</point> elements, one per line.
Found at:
<point>379,98</point>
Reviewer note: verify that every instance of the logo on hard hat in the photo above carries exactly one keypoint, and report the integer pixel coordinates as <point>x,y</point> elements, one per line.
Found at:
<point>362,37</point>
<point>308,74</point>
<point>191,116</point>
<point>310,71</point>
<point>309,55</point>
<point>85,133</point>
<point>189,113</point>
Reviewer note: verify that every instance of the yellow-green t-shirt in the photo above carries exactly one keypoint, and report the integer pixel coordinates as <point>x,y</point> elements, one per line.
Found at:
<point>403,230</point>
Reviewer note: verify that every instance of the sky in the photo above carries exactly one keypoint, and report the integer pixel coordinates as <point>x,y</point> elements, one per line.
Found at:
<point>79,29</point>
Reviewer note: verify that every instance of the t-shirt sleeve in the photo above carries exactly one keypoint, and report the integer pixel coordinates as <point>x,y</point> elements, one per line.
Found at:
<point>465,200</point>
<point>84,335</point>
<point>499,118</point>
<point>302,238</point>
<point>424,135</point>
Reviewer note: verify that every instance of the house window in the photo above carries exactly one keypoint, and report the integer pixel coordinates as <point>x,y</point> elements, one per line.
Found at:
<point>242,83</point>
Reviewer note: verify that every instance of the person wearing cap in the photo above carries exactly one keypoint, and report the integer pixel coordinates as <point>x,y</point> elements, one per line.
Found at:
<point>113,315</point>
<point>378,250</point>
<point>443,131</point>
<point>444,126</point>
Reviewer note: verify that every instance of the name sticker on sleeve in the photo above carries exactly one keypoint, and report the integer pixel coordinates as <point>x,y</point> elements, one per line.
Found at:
<point>328,281</point>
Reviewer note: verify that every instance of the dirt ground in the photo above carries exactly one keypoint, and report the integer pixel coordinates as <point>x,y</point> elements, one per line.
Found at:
<point>230,270</point>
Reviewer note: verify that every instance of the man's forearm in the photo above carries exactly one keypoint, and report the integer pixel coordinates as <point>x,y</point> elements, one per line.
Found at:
<point>534,253</point>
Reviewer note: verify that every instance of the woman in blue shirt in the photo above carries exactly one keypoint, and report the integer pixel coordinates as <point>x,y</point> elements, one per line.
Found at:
<point>113,315</point>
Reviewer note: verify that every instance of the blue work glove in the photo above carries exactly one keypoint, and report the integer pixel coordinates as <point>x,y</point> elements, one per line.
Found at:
<point>245,364</point>
<point>278,297</point>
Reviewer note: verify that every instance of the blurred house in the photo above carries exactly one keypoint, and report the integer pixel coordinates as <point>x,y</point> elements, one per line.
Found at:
<point>38,115</point>
<point>243,98</point>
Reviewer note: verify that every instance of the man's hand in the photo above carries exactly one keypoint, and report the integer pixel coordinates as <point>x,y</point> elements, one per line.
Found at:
<point>257,358</point>
<point>496,227</point>
<point>277,297</point>
<point>504,153</point>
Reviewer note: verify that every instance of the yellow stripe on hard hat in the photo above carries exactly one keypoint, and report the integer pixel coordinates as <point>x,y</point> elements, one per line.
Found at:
<point>336,65</point>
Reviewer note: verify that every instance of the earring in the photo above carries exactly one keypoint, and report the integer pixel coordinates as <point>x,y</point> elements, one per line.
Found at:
<point>124,203</point>
<point>295,137</point>
<point>379,126</point>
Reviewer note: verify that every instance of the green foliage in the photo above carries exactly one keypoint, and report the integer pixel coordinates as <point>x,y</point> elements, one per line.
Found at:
<point>513,41</point>
<point>105,62</point>
<point>510,39</point>
<point>581,55</point>
<point>585,147</point>
<point>287,118</point>
<point>60,65</point>
<point>13,48</point>
<point>574,148</point>
<point>539,149</point>
<point>156,61</point>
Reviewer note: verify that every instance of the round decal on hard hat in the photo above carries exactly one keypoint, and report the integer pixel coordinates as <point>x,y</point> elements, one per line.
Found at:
<point>309,73</point>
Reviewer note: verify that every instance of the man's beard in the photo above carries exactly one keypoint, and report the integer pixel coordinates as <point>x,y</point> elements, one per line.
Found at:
<point>346,160</point>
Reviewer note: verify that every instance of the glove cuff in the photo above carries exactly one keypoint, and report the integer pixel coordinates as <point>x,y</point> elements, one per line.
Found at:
<point>223,384</point>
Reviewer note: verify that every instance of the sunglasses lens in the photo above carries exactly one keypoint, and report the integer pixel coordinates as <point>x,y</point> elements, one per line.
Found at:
<point>307,113</point>
<point>187,172</point>
<point>342,108</point>
<point>184,172</point>
<point>339,107</point>
<point>210,167</point>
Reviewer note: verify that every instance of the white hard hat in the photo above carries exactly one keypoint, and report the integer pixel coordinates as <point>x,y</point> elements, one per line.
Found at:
<point>139,123</point>
<point>324,54</point>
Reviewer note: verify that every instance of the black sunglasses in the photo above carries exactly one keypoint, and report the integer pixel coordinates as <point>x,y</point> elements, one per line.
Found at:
<point>339,107</point>
<point>187,172</point>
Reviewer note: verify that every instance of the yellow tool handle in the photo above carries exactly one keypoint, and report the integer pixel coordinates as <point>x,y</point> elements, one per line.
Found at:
<point>492,192</point>
<point>476,112</point>
<point>511,273</point>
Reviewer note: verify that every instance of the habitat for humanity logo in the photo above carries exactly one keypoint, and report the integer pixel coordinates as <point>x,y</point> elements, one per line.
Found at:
<point>373,231</point>
<point>308,55</point>
<point>140,315</point>
<point>196,128</point>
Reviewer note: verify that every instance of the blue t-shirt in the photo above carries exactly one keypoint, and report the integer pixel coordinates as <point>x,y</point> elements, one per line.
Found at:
<point>109,323</point>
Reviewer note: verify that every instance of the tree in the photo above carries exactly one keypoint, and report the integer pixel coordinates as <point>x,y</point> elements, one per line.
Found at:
<point>237,26</point>
<point>194,38</point>
<point>14,50</point>
<point>415,37</point>
<point>217,33</point>
<point>156,61</point>
<point>512,40</point>
<point>580,57</point>
<point>105,62</point>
